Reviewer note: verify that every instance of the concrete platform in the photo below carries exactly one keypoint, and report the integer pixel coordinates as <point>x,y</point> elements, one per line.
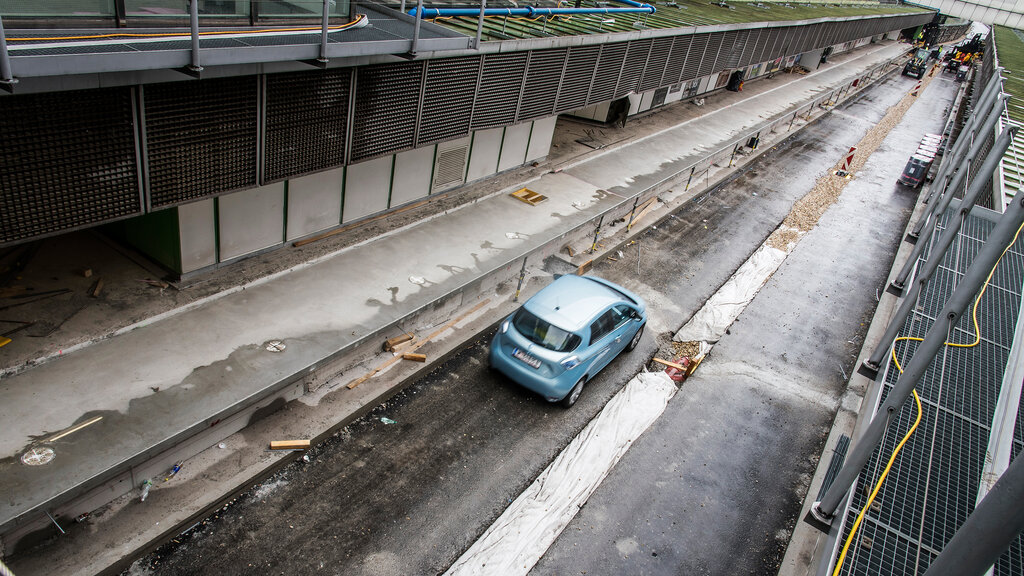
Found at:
<point>173,386</point>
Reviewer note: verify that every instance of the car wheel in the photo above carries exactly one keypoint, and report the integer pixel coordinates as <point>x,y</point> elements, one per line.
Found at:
<point>574,394</point>
<point>636,339</point>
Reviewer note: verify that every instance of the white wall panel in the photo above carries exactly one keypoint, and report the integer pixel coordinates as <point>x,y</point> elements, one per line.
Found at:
<point>366,188</point>
<point>198,232</point>
<point>540,137</point>
<point>250,220</point>
<point>646,99</point>
<point>314,202</point>
<point>483,157</point>
<point>412,175</point>
<point>513,147</point>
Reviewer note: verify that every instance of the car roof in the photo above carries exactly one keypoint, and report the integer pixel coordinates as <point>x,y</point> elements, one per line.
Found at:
<point>571,301</point>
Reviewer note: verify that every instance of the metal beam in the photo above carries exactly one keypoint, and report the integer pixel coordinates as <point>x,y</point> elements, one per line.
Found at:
<point>874,362</point>
<point>823,511</point>
<point>7,79</point>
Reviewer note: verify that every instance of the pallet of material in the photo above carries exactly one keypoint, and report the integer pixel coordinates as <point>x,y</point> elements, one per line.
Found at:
<point>529,196</point>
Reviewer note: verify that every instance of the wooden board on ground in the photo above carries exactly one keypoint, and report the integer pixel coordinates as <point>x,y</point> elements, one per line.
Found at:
<point>414,357</point>
<point>529,196</point>
<point>390,343</point>
<point>289,444</point>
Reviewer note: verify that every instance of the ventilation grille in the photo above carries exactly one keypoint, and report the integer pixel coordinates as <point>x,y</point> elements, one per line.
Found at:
<point>636,59</point>
<point>67,159</point>
<point>729,55</point>
<point>676,60</point>
<point>697,47</point>
<point>541,88</point>
<point>747,57</point>
<point>499,90</point>
<point>579,71</point>
<point>387,99</point>
<point>450,167</point>
<point>655,69</point>
<point>707,66</point>
<point>607,76</point>
<point>200,138</point>
<point>761,51</point>
<point>772,49</point>
<point>785,42</point>
<point>448,98</point>
<point>307,116</point>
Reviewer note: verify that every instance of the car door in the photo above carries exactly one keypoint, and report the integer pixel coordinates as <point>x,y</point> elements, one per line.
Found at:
<point>606,336</point>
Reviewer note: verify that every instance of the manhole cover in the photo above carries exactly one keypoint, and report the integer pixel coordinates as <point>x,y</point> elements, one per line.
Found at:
<point>38,456</point>
<point>275,346</point>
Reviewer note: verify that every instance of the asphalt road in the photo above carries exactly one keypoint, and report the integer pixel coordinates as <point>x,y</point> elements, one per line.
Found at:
<point>712,488</point>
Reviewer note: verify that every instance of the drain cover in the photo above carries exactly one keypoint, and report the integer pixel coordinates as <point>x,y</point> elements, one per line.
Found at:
<point>38,456</point>
<point>275,346</point>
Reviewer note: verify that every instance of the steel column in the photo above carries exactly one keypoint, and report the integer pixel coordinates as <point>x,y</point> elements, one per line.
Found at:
<point>989,530</point>
<point>7,79</point>
<point>323,32</point>
<point>822,512</point>
<point>193,19</point>
<point>416,27</point>
<point>874,362</point>
<point>937,208</point>
<point>479,24</point>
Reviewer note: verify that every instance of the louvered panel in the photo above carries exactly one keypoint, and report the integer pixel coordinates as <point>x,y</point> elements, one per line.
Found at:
<point>609,65</point>
<point>449,167</point>
<point>500,84</point>
<point>819,36</point>
<point>729,54</point>
<point>448,98</point>
<point>307,118</point>
<point>676,60</point>
<point>772,48</point>
<point>200,138</point>
<point>749,50</point>
<point>579,71</point>
<point>831,33</point>
<point>543,74</point>
<point>387,100</point>
<point>786,38</point>
<point>761,52</point>
<point>696,54</point>
<point>805,39</point>
<point>67,159</point>
<point>636,59</point>
<point>655,69</point>
<point>707,65</point>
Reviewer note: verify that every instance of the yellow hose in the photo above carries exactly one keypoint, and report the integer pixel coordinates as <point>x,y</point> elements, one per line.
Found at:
<point>188,34</point>
<point>917,400</point>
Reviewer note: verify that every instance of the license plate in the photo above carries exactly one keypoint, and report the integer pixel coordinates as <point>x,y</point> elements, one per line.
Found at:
<point>526,358</point>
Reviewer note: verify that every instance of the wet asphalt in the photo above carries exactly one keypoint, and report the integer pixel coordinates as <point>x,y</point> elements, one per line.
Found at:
<point>714,487</point>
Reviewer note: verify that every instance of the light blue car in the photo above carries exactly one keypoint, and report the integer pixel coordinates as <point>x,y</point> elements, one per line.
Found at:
<point>566,334</point>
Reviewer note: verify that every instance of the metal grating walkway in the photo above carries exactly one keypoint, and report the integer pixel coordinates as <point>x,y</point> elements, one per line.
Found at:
<point>933,484</point>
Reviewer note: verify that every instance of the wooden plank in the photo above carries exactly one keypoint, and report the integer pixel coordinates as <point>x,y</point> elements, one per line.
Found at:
<point>289,444</point>
<point>416,346</point>
<point>529,196</point>
<point>583,268</point>
<point>96,288</point>
<point>414,357</point>
<point>390,343</point>
<point>675,365</point>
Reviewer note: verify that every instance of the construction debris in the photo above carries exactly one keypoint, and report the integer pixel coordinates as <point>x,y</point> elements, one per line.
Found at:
<point>97,286</point>
<point>529,196</point>
<point>414,357</point>
<point>289,444</point>
<point>390,343</point>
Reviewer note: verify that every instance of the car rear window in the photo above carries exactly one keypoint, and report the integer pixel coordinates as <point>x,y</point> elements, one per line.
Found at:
<point>544,333</point>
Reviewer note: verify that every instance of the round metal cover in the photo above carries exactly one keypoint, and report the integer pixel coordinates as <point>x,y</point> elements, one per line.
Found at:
<point>275,346</point>
<point>38,456</point>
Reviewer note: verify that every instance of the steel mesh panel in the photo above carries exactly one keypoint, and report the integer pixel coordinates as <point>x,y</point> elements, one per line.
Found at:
<point>200,138</point>
<point>818,38</point>
<point>387,101</point>
<point>695,55</point>
<point>1011,563</point>
<point>67,159</point>
<point>732,49</point>
<point>540,90</point>
<point>661,48</point>
<point>500,83</point>
<point>676,60</point>
<point>306,124</point>
<point>787,40</point>
<point>579,71</point>
<point>707,65</point>
<point>636,59</point>
<point>609,65</point>
<point>774,48</point>
<point>448,98</point>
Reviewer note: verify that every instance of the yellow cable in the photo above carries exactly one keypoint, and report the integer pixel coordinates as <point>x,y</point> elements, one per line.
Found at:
<point>917,400</point>
<point>188,34</point>
<point>878,486</point>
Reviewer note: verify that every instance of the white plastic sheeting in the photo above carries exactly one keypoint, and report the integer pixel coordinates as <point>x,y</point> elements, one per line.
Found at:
<point>711,321</point>
<point>523,533</point>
